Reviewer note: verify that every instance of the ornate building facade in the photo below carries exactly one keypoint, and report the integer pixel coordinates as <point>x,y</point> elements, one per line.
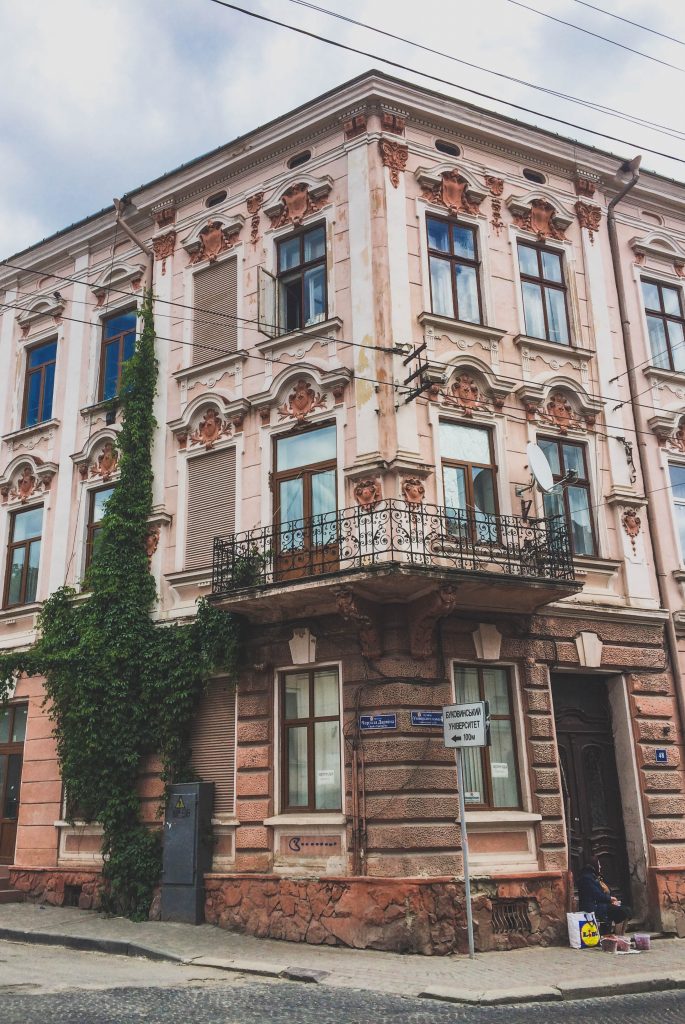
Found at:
<point>378,531</point>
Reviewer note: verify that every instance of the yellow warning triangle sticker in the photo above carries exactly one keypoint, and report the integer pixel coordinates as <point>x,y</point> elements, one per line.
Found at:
<point>180,806</point>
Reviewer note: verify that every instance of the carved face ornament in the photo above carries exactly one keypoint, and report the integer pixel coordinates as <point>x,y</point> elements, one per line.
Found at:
<point>25,485</point>
<point>541,214</point>
<point>466,391</point>
<point>302,401</point>
<point>108,460</point>
<point>367,493</point>
<point>413,490</point>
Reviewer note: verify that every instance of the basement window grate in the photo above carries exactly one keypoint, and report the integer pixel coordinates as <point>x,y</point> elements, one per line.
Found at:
<point>511,916</point>
<point>72,894</point>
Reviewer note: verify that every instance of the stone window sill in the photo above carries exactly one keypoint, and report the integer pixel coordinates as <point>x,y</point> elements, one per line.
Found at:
<point>26,432</point>
<point>326,328</point>
<point>307,819</point>
<point>481,332</point>
<point>210,367</point>
<point>660,373</point>
<point>554,348</point>
<point>497,818</point>
<point>8,614</point>
<point>104,405</point>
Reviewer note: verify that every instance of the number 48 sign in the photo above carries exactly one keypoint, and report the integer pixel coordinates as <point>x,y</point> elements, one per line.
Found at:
<point>467,725</point>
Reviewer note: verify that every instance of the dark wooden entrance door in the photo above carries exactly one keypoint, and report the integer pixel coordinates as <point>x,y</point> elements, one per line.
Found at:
<point>12,735</point>
<point>589,778</point>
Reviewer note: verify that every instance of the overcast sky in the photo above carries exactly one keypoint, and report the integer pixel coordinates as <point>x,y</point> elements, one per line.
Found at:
<point>99,96</point>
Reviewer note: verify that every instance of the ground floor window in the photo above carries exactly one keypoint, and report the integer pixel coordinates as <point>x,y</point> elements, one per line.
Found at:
<point>310,740</point>
<point>490,773</point>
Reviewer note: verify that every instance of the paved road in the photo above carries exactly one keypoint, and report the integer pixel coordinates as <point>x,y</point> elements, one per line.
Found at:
<point>260,1003</point>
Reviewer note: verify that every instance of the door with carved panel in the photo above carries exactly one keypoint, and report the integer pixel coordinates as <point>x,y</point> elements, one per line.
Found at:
<point>590,779</point>
<point>12,734</point>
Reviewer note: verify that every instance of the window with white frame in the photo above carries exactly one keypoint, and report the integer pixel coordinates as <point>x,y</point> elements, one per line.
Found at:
<point>677,474</point>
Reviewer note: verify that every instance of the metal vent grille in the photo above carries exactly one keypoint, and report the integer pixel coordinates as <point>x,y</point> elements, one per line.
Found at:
<point>511,916</point>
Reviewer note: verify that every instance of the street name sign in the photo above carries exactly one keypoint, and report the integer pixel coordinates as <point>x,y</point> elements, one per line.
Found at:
<point>466,725</point>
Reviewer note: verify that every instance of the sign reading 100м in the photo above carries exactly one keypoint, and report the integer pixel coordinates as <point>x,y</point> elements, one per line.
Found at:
<point>467,725</point>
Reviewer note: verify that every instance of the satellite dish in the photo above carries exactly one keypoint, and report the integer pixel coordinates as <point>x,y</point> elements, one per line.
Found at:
<point>539,467</point>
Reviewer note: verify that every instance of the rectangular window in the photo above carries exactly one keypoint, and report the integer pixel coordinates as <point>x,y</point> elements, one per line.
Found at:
<point>96,510</point>
<point>40,383</point>
<point>454,270</point>
<point>211,504</point>
<point>23,557</point>
<point>490,773</point>
<point>468,474</point>
<point>310,740</point>
<point>573,500</point>
<point>215,319</point>
<point>118,345</point>
<point>302,279</point>
<point>544,293</point>
<point>666,325</point>
<point>677,474</point>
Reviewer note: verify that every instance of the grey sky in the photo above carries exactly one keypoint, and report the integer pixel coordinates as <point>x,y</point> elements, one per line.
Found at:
<point>99,96</point>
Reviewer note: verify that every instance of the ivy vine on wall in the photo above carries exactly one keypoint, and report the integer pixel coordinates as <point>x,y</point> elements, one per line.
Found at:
<point>120,686</point>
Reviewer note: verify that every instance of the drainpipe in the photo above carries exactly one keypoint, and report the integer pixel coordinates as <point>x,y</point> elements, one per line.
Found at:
<point>654,532</point>
<point>119,206</point>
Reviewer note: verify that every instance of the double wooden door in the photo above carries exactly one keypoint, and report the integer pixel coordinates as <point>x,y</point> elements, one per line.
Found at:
<point>12,734</point>
<point>589,779</point>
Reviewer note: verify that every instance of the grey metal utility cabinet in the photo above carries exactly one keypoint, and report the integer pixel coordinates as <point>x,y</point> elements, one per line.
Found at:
<point>186,851</point>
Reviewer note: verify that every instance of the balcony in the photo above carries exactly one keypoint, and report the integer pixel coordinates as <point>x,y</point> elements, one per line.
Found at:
<point>393,551</point>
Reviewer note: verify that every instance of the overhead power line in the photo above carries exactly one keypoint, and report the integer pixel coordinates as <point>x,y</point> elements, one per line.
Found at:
<point>635,24</point>
<point>596,35</point>
<point>588,104</point>
<point>443,81</point>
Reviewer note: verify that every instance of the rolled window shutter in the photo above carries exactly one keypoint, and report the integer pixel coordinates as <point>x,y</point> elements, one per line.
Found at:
<point>213,742</point>
<point>211,504</point>
<point>215,331</point>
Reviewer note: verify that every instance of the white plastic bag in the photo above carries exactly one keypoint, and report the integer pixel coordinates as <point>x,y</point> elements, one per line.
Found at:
<point>583,931</point>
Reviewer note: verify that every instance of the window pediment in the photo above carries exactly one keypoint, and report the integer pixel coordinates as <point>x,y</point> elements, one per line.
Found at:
<point>212,236</point>
<point>26,478</point>
<point>298,197</point>
<point>660,247</point>
<point>448,185</point>
<point>120,276</point>
<point>541,214</point>
<point>40,307</point>
<point>209,421</point>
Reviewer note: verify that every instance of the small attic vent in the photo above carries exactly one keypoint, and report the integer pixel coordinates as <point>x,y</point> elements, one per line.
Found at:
<point>447,147</point>
<point>217,198</point>
<point>299,159</point>
<point>537,176</point>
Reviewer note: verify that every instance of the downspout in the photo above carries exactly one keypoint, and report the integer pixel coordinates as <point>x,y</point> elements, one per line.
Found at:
<point>654,532</point>
<point>120,206</point>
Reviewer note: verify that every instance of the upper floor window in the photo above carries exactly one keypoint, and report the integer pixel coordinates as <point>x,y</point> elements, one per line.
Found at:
<point>97,501</point>
<point>40,383</point>
<point>677,474</point>
<point>490,773</point>
<point>310,738</point>
<point>544,293</point>
<point>215,317</point>
<point>453,261</point>
<point>118,345</point>
<point>468,474</point>
<point>573,499</point>
<point>302,280</point>
<point>666,325</point>
<point>23,557</point>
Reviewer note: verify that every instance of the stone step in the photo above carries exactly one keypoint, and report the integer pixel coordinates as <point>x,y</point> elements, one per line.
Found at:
<point>11,896</point>
<point>5,882</point>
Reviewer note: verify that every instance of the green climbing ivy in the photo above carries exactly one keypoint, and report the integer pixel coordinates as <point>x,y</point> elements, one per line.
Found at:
<point>120,686</point>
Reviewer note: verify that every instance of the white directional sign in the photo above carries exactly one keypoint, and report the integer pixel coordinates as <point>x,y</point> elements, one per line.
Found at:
<point>466,725</point>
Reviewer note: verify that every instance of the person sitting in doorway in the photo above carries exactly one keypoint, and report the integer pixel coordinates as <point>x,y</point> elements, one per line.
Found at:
<point>594,897</point>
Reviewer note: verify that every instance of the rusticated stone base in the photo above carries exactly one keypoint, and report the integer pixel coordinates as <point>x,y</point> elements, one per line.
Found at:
<point>668,895</point>
<point>399,915</point>
<point>59,887</point>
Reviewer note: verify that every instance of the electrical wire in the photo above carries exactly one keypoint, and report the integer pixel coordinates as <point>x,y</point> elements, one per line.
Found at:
<point>605,39</point>
<point>590,104</point>
<point>343,341</point>
<point>635,24</point>
<point>442,81</point>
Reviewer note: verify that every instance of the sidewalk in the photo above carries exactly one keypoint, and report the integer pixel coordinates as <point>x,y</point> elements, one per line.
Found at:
<point>526,975</point>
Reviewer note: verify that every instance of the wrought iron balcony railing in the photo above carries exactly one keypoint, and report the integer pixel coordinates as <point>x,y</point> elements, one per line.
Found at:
<point>393,532</point>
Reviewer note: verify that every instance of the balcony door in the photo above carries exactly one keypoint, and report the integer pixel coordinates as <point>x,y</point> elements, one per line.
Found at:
<point>305,503</point>
<point>12,734</point>
<point>468,473</point>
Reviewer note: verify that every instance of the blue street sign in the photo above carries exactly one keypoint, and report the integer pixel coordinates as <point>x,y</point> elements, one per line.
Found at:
<point>370,722</point>
<point>662,756</point>
<point>427,718</point>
